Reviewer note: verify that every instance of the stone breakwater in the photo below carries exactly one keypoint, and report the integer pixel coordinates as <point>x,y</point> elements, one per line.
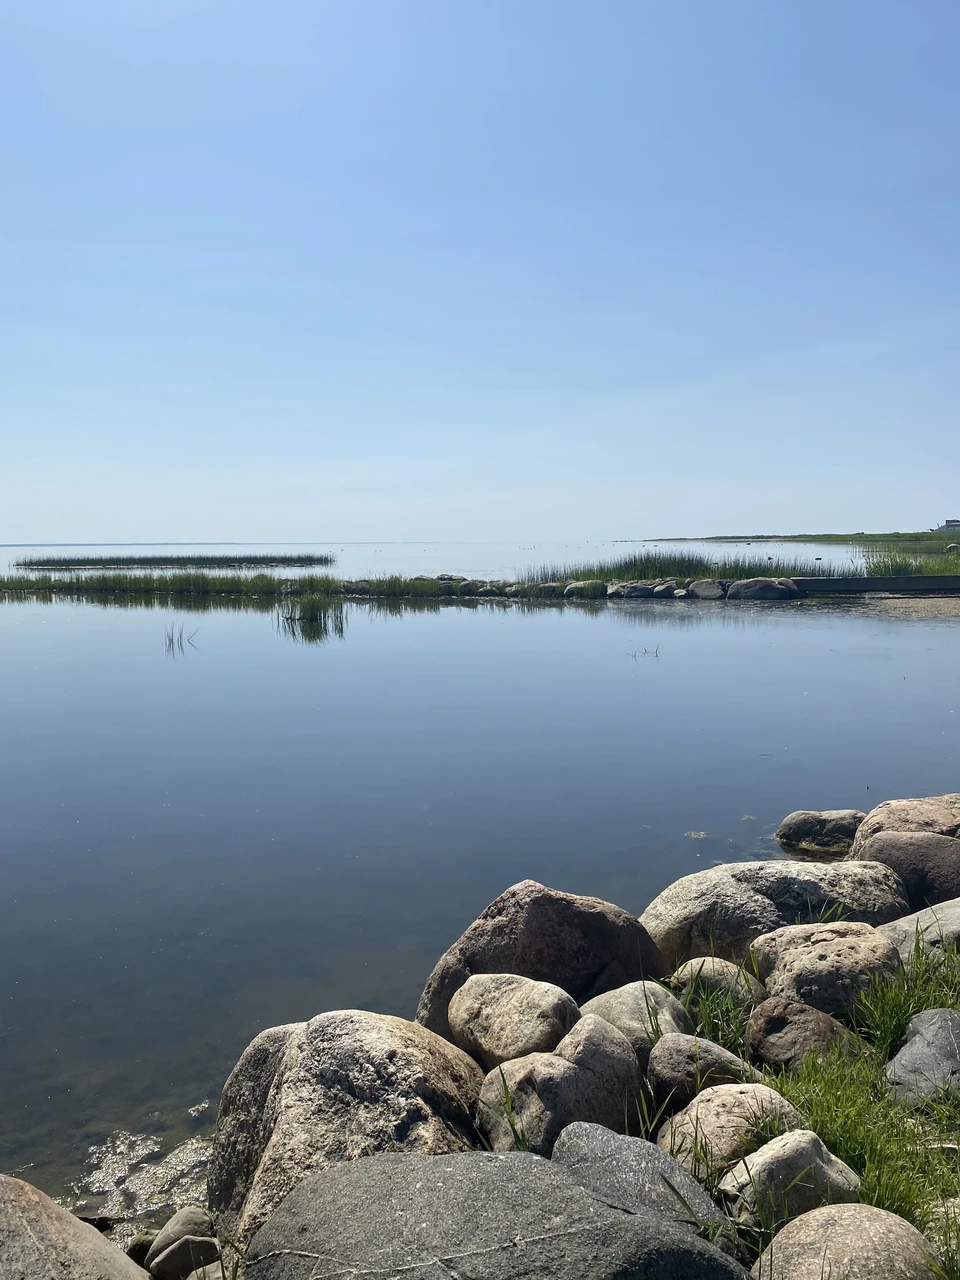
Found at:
<point>451,585</point>
<point>556,1108</point>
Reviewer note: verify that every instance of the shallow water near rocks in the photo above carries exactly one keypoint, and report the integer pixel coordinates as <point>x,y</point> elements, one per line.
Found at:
<point>248,832</point>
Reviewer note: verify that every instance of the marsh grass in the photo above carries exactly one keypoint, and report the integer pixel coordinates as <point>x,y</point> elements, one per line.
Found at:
<point>648,565</point>
<point>80,563</point>
<point>891,564</point>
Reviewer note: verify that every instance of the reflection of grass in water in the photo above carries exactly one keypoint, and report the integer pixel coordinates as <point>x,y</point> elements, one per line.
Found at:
<point>313,619</point>
<point>65,563</point>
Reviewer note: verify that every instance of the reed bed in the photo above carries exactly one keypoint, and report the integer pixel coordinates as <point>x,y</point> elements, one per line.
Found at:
<point>892,564</point>
<point>649,565</point>
<point>64,564</point>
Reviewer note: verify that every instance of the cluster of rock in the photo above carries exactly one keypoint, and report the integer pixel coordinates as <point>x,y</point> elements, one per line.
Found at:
<point>497,1135</point>
<point>451,584</point>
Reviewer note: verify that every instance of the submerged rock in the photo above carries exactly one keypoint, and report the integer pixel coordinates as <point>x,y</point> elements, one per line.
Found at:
<point>344,1085</point>
<point>484,1216</point>
<point>823,831</point>
<point>592,1076</point>
<point>719,912</point>
<point>583,945</point>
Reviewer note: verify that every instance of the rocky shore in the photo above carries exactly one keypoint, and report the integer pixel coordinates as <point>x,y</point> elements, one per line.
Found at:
<point>562,1106</point>
<point>450,585</point>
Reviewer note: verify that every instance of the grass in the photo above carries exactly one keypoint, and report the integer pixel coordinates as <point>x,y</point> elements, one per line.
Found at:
<point>647,566</point>
<point>879,564</point>
<point>70,563</point>
<point>924,540</point>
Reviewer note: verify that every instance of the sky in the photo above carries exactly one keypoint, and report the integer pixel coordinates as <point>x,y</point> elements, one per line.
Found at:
<point>477,269</point>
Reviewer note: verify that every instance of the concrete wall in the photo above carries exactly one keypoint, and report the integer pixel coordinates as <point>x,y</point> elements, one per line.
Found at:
<point>949,582</point>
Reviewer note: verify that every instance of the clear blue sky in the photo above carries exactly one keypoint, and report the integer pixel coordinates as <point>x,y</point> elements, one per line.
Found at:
<point>477,268</point>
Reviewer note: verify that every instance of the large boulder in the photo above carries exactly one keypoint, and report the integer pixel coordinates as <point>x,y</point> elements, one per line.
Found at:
<point>709,976</point>
<point>849,1242</point>
<point>928,1062</point>
<point>40,1240</point>
<point>939,814</point>
<point>478,1216</point>
<point>786,1177</point>
<point>707,589</point>
<point>784,1033</point>
<point>184,1223</point>
<point>820,831</point>
<point>498,1016</point>
<point>763,589</point>
<point>184,1256</point>
<point>931,929</point>
<point>724,1124</point>
<point>720,911</point>
<point>343,1085</point>
<point>643,1011</point>
<point>825,965</point>
<point>592,589</point>
<point>681,1066</point>
<point>592,1076</point>
<point>634,1175</point>
<point>584,945</point>
<point>927,863</point>
<point>638,590</point>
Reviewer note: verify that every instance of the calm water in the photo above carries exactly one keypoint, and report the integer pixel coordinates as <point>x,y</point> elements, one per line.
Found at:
<point>200,846</point>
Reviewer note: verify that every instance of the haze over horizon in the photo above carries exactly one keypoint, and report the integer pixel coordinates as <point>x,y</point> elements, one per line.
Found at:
<point>369,272</point>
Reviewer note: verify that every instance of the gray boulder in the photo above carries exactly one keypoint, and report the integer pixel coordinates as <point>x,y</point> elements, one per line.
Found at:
<point>824,965</point>
<point>40,1240</point>
<point>634,1175</point>
<point>638,590</point>
<point>786,1177</point>
<point>707,589</point>
<point>823,831</point>
<point>720,911</point>
<point>784,1033</point>
<point>939,814</point>
<point>724,1124</point>
<point>926,862</point>
<point>681,1066</point>
<point>498,1016</point>
<point>591,1076</point>
<point>709,975</point>
<point>763,589</point>
<point>184,1256</point>
<point>584,945</point>
<point>478,1216</point>
<point>931,929</point>
<point>643,1011</point>
<point>186,1222</point>
<point>928,1063</point>
<point>469,587</point>
<point>848,1242</point>
<point>665,589</point>
<point>344,1085</point>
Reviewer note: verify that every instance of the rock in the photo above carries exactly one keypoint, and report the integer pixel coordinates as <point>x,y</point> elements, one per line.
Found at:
<point>545,589</point>
<point>469,587</point>
<point>637,590</point>
<point>40,1240</point>
<point>724,1124</point>
<point>933,928</point>
<point>490,590</point>
<point>681,1066</point>
<point>665,589</point>
<point>719,912</point>
<point>824,965</point>
<point>707,589</point>
<point>709,975</point>
<point>187,1222</point>
<point>782,1033</point>
<point>591,1076</point>
<point>451,577</point>
<point>928,1063</point>
<point>681,593</point>
<point>939,814</point>
<point>786,1177</point>
<point>762,589</point>
<point>139,1247</point>
<point>926,862</point>
<point>583,945</point>
<point>829,830</point>
<point>633,1175</point>
<point>498,1016</point>
<point>849,1242</point>
<point>592,589</point>
<point>478,1216</point>
<point>343,1085</point>
<point>643,1011</point>
<point>184,1256</point>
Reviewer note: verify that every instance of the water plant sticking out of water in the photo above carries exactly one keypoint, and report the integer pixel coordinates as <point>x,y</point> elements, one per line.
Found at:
<point>73,563</point>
